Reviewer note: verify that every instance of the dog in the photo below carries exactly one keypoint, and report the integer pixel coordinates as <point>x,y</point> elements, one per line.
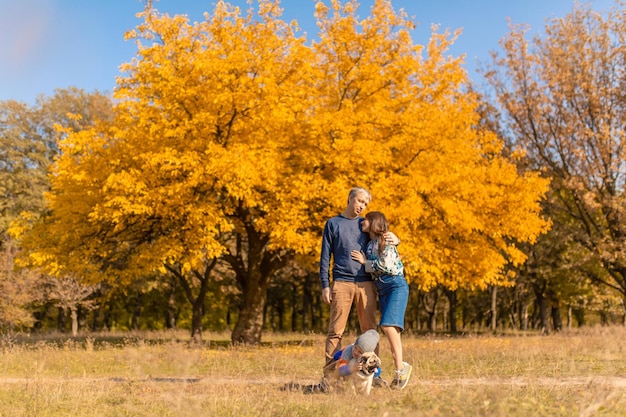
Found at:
<point>360,381</point>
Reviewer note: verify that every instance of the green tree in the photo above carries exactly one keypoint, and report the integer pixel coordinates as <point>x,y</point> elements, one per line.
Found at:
<point>28,145</point>
<point>27,149</point>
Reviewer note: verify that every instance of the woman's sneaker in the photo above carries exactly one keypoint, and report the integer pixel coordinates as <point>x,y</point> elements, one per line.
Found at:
<point>402,377</point>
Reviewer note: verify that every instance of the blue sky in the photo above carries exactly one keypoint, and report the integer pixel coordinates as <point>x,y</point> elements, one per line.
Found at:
<point>48,44</point>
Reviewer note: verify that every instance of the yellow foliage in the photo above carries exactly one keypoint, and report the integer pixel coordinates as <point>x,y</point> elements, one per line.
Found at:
<point>234,126</point>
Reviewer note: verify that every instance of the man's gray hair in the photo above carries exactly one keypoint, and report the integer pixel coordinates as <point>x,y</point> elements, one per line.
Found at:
<point>358,190</point>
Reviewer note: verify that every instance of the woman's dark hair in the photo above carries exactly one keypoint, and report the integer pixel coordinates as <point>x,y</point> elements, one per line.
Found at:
<point>378,227</point>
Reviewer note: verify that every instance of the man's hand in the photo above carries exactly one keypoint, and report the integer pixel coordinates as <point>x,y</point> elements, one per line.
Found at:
<point>327,296</point>
<point>391,239</point>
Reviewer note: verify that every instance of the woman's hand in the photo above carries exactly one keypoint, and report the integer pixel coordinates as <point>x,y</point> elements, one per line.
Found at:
<point>358,256</point>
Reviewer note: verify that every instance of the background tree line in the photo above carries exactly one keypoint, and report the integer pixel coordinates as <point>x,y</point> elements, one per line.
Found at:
<point>195,197</point>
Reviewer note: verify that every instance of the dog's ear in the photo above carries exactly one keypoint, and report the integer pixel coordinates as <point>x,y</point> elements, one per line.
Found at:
<point>377,362</point>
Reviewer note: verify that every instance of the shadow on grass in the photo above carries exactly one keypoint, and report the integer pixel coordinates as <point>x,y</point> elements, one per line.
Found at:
<point>150,379</point>
<point>107,341</point>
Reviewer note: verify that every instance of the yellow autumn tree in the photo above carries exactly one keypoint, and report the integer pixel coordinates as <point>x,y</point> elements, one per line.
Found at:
<point>234,140</point>
<point>192,169</point>
<point>397,118</point>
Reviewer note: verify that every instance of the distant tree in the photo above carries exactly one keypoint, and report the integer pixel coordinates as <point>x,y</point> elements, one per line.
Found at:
<point>562,94</point>
<point>19,291</point>
<point>70,295</point>
<point>28,145</point>
<point>24,160</point>
<point>27,149</point>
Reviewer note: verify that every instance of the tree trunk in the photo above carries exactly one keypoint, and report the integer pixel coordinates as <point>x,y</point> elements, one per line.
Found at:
<point>74,316</point>
<point>249,326</point>
<point>280,311</point>
<point>430,306</point>
<point>569,317</point>
<point>523,315</point>
<point>604,318</point>
<point>197,313</point>
<point>579,315</point>
<point>170,311</point>
<point>136,312</point>
<point>557,322</point>
<point>494,308</point>
<point>61,320</point>
<point>307,304</point>
<point>107,319</point>
<point>253,264</point>
<point>294,307</point>
<point>432,321</point>
<point>543,310</point>
<point>317,311</point>
<point>94,322</point>
<point>271,320</point>
<point>197,302</point>
<point>418,307</point>
<point>452,300</point>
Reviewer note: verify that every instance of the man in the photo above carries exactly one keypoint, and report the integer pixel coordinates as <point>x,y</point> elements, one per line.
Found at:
<point>351,284</point>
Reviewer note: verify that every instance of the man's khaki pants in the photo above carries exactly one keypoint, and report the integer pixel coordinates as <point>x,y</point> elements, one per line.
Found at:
<point>344,294</point>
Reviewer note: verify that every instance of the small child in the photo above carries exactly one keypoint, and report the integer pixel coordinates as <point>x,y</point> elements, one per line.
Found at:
<point>346,362</point>
<point>348,359</point>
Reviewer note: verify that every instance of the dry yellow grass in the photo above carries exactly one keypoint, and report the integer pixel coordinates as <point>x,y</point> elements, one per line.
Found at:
<point>578,373</point>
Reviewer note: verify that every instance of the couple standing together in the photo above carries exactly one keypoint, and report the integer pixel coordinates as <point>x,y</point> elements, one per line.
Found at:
<point>365,264</point>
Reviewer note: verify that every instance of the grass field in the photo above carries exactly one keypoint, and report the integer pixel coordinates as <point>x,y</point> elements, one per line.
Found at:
<point>576,373</point>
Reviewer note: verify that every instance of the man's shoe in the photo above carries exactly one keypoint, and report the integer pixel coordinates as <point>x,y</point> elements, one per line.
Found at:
<point>321,388</point>
<point>402,377</point>
<point>378,382</point>
<point>314,389</point>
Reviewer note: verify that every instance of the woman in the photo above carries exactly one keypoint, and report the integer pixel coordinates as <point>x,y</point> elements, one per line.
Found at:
<point>383,262</point>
